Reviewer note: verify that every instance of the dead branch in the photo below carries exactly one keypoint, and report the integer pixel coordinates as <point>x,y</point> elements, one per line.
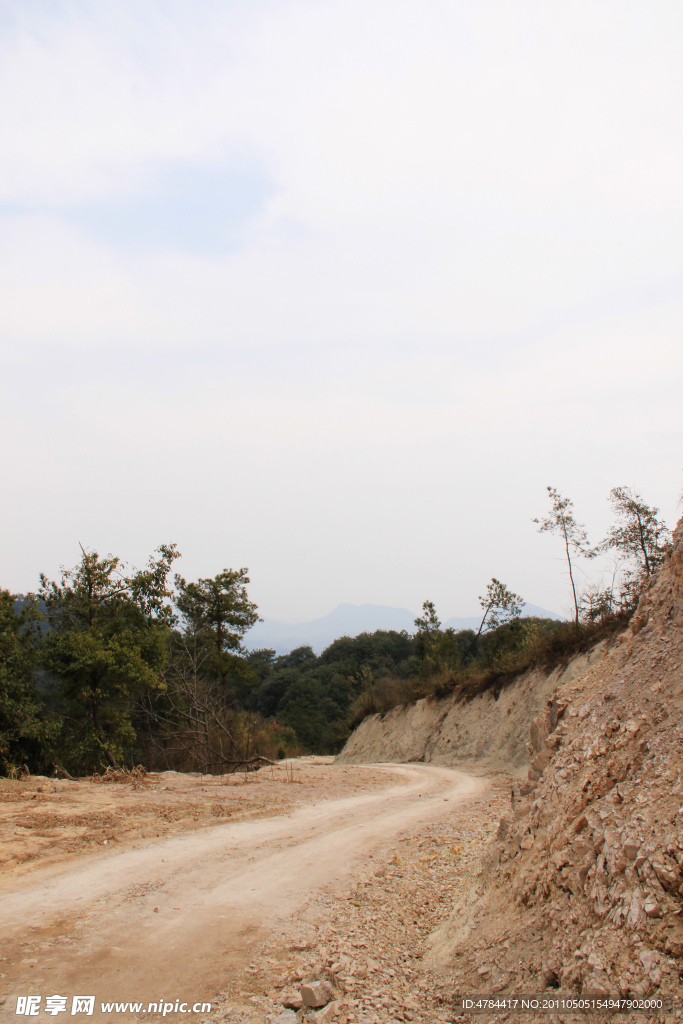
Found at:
<point>251,764</point>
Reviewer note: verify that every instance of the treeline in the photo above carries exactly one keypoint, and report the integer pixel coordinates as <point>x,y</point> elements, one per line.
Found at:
<point>112,667</point>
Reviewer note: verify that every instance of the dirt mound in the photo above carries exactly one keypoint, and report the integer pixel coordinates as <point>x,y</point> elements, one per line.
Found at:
<point>581,891</point>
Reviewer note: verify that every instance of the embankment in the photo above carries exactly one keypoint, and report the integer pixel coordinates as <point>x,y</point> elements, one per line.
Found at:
<point>488,731</point>
<point>583,889</point>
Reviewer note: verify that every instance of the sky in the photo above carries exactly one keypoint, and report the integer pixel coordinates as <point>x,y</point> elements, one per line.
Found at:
<point>333,291</point>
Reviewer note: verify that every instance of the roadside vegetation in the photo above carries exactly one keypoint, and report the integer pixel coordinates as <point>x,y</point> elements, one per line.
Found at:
<point>111,667</point>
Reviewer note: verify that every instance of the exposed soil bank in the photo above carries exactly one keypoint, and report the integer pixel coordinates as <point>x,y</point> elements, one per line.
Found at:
<point>582,892</point>
<point>487,731</point>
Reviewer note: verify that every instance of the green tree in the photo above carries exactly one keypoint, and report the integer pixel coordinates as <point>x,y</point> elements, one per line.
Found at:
<point>428,627</point>
<point>106,645</point>
<point>429,622</point>
<point>26,730</point>
<point>499,606</point>
<point>562,521</point>
<point>638,536</point>
<point>439,649</point>
<point>219,611</point>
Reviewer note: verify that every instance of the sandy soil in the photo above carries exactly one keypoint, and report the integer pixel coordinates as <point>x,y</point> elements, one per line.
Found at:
<point>180,917</point>
<point>46,821</point>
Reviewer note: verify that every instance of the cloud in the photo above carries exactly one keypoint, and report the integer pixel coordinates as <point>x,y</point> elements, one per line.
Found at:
<point>183,208</point>
<point>380,172</point>
<point>334,290</point>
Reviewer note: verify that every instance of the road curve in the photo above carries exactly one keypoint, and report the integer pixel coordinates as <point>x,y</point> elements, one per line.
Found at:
<point>170,920</point>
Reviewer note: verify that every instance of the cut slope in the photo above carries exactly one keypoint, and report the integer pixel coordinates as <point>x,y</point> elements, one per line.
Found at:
<point>488,731</point>
<point>582,889</point>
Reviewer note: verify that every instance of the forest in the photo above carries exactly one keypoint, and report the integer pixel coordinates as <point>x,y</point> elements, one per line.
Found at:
<point>112,667</point>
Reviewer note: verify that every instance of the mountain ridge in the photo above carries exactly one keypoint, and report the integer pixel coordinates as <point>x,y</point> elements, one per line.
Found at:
<point>350,620</point>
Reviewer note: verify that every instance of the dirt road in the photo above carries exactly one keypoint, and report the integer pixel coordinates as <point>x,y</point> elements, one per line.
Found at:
<point>174,919</point>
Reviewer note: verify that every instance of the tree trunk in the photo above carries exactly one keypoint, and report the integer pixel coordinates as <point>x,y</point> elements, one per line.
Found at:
<point>571,574</point>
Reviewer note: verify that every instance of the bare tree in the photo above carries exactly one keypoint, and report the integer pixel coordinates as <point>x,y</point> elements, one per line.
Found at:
<point>191,726</point>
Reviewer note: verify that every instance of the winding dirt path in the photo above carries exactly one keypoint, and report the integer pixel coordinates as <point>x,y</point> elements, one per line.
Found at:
<point>174,919</point>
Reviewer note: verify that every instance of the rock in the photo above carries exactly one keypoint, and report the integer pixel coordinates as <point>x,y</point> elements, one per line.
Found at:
<point>288,1017</point>
<point>499,979</point>
<point>560,859</point>
<point>541,761</point>
<point>569,975</point>
<point>329,1013</point>
<point>634,911</point>
<point>292,1000</point>
<point>317,994</point>
<point>595,984</point>
<point>649,958</point>
<point>503,828</point>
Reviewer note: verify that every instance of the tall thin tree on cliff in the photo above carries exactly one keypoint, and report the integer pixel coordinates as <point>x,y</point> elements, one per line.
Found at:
<point>561,521</point>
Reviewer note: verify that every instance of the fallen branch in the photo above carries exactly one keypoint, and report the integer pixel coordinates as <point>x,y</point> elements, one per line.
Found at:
<point>251,764</point>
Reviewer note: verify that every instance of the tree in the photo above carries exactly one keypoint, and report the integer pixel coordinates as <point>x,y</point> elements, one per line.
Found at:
<point>25,730</point>
<point>639,536</point>
<point>429,623</point>
<point>499,605</point>
<point>187,724</point>
<point>561,521</point>
<point>439,649</point>
<point>219,611</point>
<point>428,628</point>
<point>106,645</point>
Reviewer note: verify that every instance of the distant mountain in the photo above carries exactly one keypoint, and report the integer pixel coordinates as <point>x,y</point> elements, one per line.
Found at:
<point>350,620</point>
<point>346,620</point>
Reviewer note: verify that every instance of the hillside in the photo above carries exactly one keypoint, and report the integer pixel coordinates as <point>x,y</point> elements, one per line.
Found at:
<point>581,890</point>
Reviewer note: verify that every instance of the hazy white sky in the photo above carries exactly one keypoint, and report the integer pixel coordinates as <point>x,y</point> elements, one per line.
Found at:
<point>333,290</point>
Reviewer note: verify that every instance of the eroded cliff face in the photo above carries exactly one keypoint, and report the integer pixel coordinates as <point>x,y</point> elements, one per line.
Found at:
<point>487,731</point>
<point>582,890</point>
